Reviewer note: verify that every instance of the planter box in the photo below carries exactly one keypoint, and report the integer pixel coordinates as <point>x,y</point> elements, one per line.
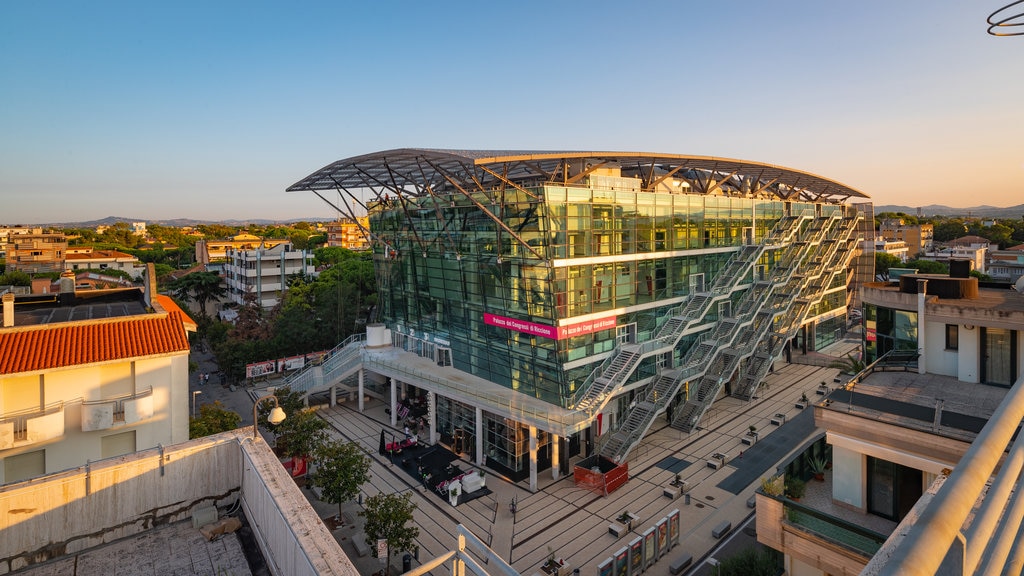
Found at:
<point>801,405</point>
<point>749,439</point>
<point>779,419</point>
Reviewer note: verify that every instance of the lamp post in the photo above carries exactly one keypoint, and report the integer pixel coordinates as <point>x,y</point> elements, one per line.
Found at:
<point>194,392</point>
<point>276,416</point>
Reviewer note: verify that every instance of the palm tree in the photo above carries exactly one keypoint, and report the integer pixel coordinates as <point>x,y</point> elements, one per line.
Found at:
<point>199,287</point>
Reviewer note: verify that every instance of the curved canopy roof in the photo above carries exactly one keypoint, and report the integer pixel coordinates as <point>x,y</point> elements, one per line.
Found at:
<point>416,171</point>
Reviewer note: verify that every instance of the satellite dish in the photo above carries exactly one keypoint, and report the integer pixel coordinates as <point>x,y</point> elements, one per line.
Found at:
<point>1019,285</point>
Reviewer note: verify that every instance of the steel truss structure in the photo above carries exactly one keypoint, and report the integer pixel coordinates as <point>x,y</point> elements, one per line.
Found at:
<point>404,173</point>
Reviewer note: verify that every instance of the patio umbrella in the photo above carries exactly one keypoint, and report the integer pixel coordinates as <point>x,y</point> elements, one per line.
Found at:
<point>381,450</point>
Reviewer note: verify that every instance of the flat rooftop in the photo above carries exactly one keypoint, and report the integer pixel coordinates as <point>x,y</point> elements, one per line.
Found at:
<point>37,310</point>
<point>912,399</point>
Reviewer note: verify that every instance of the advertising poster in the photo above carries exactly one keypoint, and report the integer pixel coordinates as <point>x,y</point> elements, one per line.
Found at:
<point>605,568</point>
<point>673,528</point>
<point>663,537</point>
<point>636,556</point>
<point>650,547</point>
<point>622,562</point>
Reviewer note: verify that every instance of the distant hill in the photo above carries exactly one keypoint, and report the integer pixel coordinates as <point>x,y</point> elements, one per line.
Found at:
<point>178,222</point>
<point>976,212</point>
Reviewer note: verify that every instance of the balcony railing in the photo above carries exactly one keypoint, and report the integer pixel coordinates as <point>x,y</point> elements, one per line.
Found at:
<point>835,530</point>
<point>31,426</point>
<point>119,411</point>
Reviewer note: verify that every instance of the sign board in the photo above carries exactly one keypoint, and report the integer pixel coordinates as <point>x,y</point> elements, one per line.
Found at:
<point>260,369</point>
<point>673,528</point>
<point>382,550</point>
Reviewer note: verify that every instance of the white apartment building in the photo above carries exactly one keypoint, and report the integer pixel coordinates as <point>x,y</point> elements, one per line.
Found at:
<point>265,271</point>
<point>90,375</point>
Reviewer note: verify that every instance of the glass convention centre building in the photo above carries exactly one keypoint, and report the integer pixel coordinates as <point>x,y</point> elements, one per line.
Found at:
<point>589,292</point>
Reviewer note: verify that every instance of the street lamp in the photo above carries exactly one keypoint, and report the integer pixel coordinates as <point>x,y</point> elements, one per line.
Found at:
<point>276,415</point>
<point>194,392</point>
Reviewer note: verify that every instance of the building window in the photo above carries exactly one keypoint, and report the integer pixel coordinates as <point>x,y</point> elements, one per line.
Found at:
<point>24,466</point>
<point>952,337</point>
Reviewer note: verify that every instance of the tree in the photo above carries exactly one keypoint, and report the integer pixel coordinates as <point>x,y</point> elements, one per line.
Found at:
<point>341,468</point>
<point>386,517</point>
<point>15,278</point>
<point>884,261</point>
<point>928,266</point>
<point>300,434</point>
<point>213,418</point>
<point>200,287</point>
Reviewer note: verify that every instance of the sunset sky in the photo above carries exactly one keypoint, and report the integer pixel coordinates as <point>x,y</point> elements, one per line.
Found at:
<point>209,110</point>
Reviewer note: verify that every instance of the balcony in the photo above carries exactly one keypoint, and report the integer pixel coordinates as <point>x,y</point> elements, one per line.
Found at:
<point>31,426</point>
<point>115,412</point>
<point>818,532</point>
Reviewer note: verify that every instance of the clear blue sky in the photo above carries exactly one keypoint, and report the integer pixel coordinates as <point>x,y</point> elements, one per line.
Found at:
<point>210,110</point>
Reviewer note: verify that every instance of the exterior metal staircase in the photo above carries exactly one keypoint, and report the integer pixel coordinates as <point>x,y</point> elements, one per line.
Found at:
<point>608,378</point>
<point>342,361</point>
<point>717,358</point>
<point>832,262</point>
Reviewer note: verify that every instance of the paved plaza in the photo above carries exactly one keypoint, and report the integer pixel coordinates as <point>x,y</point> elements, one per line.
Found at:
<point>572,522</point>
<point>559,518</point>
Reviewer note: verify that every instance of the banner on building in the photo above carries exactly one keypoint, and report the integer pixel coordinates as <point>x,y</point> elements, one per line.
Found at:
<point>553,332</point>
<point>260,369</point>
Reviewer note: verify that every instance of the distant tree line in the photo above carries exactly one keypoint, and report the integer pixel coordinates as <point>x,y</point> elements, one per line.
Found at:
<point>1005,232</point>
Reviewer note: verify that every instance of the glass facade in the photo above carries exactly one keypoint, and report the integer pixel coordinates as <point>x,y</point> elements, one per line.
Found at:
<point>886,329</point>
<point>563,256</point>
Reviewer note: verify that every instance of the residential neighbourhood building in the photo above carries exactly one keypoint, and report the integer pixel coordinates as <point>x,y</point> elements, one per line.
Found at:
<point>350,233</point>
<point>88,258</point>
<point>897,248</point>
<point>35,251</point>
<point>89,374</point>
<point>920,238</point>
<point>972,248</point>
<point>264,271</point>
<point>215,251</point>
<point>1006,265</point>
<point>940,364</point>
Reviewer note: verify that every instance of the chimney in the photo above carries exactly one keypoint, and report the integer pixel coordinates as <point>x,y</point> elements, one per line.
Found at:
<point>8,299</point>
<point>67,288</point>
<point>149,289</point>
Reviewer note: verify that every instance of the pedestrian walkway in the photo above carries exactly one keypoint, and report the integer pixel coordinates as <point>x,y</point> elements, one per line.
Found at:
<point>572,523</point>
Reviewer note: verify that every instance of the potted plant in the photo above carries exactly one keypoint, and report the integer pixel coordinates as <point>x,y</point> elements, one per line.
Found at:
<point>802,403</point>
<point>453,496</point>
<point>751,436</point>
<point>817,466</point>
<point>795,488</point>
<point>772,486</point>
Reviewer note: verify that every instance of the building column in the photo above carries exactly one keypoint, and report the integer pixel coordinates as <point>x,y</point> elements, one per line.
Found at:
<point>394,402</point>
<point>480,437</point>
<point>556,471</point>
<point>334,396</point>
<point>533,458</point>
<point>922,295</point>
<point>432,416</point>
<point>361,377</point>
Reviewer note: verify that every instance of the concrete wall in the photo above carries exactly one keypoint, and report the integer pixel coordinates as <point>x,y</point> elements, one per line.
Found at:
<point>295,542</point>
<point>91,505</point>
<point>77,509</point>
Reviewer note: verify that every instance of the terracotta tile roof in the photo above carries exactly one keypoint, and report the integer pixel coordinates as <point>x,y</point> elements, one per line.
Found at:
<point>169,305</point>
<point>51,346</point>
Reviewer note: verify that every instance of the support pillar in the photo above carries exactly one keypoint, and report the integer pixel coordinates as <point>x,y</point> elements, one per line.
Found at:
<point>334,396</point>
<point>394,402</point>
<point>362,374</point>
<point>922,295</point>
<point>432,416</point>
<point>533,458</point>
<point>480,437</point>
<point>556,471</point>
